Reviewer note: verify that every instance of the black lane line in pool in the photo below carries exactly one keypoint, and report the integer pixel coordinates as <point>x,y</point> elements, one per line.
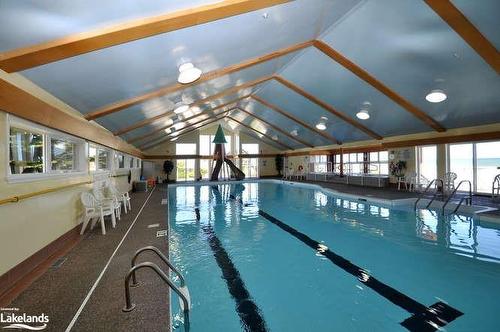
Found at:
<point>250,314</point>
<point>423,318</point>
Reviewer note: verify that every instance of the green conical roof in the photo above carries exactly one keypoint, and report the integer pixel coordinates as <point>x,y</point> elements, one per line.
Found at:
<point>219,136</point>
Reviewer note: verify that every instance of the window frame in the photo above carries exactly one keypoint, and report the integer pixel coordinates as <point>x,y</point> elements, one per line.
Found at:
<point>99,148</point>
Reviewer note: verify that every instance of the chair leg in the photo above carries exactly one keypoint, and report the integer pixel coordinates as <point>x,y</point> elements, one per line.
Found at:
<point>85,223</point>
<point>113,220</point>
<point>129,206</point>
<point>103,227</point>
<point>124,200</point>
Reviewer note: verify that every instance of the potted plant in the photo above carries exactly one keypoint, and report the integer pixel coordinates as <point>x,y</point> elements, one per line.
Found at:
<point>279,163</point>
<point>168,167</point>
<point>397,168</point>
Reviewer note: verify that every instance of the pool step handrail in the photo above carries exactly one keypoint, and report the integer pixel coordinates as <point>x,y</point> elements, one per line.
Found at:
<point>426,190</point>
<point>182,292</point>
<point>467,199</point>
<point>162,257</point>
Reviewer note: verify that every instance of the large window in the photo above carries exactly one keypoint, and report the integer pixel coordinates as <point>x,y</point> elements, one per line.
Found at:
<point>353,163</point>
<point>476,162</point>
<point>119,160</point>
<point>185,167</point>
<point>250,166</point>
<point>379,163</point>
<point>62,155</point>
<point>427,163</point>
<point>320,163</point>
<point>25,151</point>
<point>207,147</point>
<point>98,158</point>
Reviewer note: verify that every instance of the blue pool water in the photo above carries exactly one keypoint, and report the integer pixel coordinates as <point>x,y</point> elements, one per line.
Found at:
<point>373,268</point>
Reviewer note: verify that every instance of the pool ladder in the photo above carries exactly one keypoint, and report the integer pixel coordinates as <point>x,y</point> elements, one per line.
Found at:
<point>182,290</point>
<point>435,181</point>
<point>467,199</point>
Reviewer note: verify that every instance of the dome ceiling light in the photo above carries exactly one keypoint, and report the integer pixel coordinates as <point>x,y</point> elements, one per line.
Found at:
<point>294,132</point>
<point>188,73</point>
<point>436,96</point>
<point>180,108</point>
<point>275,137</point>
<point>364,113</point>
<point>322,123</point>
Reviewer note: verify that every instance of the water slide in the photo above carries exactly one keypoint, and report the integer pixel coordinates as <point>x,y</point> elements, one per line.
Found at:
<point>236,172</point>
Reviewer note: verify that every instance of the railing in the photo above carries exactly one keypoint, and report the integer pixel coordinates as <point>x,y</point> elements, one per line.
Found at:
<point>427,189</point>
<point>467,198</point>
<point>18,198</point>
<point>163,258</point>
<point>181,292</point>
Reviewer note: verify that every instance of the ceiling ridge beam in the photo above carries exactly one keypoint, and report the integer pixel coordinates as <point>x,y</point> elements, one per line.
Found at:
<point>218,95</point>
<point>148,146</point>
<point>293,118</point>
<point>259,132</point>
<point>326,106</point>
<point>189,125</point>
<point>465,29</point>
<point>378,85</point>
<point>124,104</point>
<point>100,38</point>
<point>138,138</point>
<point>276,128</point>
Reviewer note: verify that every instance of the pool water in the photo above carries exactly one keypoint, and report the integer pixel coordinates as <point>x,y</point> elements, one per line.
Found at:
<point>272,256</point>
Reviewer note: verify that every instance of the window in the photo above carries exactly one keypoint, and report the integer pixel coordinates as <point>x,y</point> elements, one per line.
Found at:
<point>427,163</point>
<point>488,165</point>
<point>249,148</point>
<point>461,161</point>
<point>131,162</point>
<point>138,163</point>
<point>320,163</point>
<point>379,163</point>
<point>185,167</point>
<point>98,158</point>
<point>120,160</point>
<point>62,155</point>
<point>353,163</point>
<point>25,151</point>
<point>207,147</point>
<point>250,166</point>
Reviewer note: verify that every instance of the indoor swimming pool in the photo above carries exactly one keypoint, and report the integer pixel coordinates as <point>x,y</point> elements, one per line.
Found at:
<point>261,256</point>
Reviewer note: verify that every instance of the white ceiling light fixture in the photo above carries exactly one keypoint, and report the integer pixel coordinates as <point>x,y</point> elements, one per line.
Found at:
<point>436,96</point>
<point>275,137</point>
<point>364,113</point>
<point>294,132</point>
<point>174,139</point>
<point>180,108</point>
<point>188,73</point>
<point>322,123</point>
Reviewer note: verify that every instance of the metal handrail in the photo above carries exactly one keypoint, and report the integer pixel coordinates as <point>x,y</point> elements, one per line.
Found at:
<point>469,197</point>
<point>129,306</point>
<point>426,190</point>
<point>163,258</point>
<point>18,198</point>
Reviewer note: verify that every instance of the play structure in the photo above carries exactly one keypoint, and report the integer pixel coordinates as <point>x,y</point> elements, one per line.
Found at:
<point>230,171</point>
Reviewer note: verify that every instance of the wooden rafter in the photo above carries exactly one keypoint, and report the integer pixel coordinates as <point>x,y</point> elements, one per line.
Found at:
<point>365,76</point>
<point>463,27</point>
<point>138,138</point>
<point>124,104</point>
<point>200,102</point>
<point>326,106</point>
<point>161,140</point>
<point>81,43</point>
<point>259,132</point>
<point>276,128</point>
<point>295,119</point>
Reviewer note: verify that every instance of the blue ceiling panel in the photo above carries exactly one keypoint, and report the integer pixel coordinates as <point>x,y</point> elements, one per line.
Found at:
<point>324,78</point>
<point>408,47</point>
<point>484,15</point>
<point>300,107</point>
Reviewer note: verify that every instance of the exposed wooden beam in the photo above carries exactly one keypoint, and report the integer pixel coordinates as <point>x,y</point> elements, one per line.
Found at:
<point>365,76</point>
<point>278,129</point>
<point>295,119</point>
<point>81,43</point>
<point>259,132</point>
<point>200,102</point>
<point>472,36</point>
<point>19,102</point>
<point>477,137</point>
<point>138,138</point>
<point>156,142</point>
<point>326,106</point>
<point>124,104</point>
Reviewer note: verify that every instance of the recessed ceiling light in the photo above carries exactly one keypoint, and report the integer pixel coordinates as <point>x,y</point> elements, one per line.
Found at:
<point>436,96</point>
<point>174,139</point>
<point>275,137</point>
<point>294,132</point>
<point>188,73</point>
<point>179,125</point>
<point>180,108</point>
<point>363,115</point>
<point>265,16</point>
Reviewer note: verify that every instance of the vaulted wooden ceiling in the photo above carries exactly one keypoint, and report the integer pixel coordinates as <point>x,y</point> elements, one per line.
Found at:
<point>273,68</point>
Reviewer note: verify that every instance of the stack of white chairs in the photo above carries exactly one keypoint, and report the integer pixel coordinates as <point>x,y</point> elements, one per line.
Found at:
<point>99,193</point>
<point>94,210</point>
<point>122,197</point>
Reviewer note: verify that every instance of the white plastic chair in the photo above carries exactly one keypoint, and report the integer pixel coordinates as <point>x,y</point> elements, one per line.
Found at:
<point>495,188</point>
<point>93,210</point>
<point>112,200</point>
<point>409,181</point>
<point>123,197</point>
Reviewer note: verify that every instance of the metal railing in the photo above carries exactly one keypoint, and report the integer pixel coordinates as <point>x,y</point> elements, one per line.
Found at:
<point>427,189</point>
<point>467,199</point>
<point>162,257</point>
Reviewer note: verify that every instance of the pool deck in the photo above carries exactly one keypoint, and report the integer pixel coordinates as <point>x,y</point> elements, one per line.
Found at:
<point>60,291</point>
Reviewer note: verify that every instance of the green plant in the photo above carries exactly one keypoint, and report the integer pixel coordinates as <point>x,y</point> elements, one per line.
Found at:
<point>397,168</point>
<point>168,167</point>
<point>279,163</point>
